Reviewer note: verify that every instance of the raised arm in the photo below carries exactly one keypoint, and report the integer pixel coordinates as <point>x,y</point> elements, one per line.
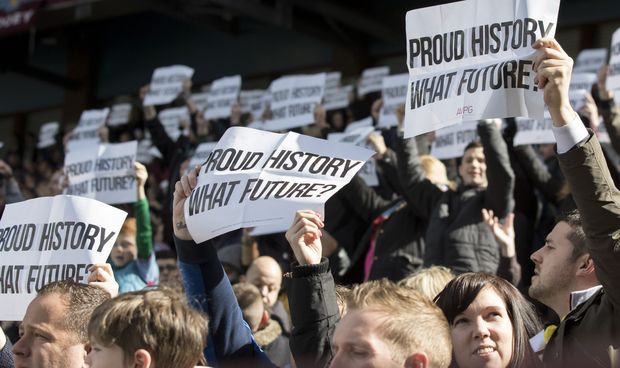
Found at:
<point>608,109</point>
<point>500,176</point>
<point>314,310</point>
<point>144,233</point>
<point>208,289</point>
<point>581,159</point>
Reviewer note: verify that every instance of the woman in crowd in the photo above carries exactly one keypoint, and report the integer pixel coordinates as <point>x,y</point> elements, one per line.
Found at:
<point>491,322</point>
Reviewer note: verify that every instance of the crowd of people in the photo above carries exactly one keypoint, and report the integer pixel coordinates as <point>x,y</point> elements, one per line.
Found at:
<point>506,257</point>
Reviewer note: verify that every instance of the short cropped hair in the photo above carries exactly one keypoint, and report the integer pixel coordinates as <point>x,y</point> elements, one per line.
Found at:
<point>473,144</point>
<point>251,303</point>
<point>411,321</point>
<point>576,236</point>
<point>158,321</point>
<point>81,300</point>
<point>429,281</point>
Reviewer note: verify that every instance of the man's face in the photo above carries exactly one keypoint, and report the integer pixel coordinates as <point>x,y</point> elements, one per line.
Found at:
<point>268,281</point>
<point>555,269</point>
<point>169,274</point>
<point>357,342</point>
<point>44,341</point>
<point>124,250</point>
<point>101,356</point>
<point>473,169</point>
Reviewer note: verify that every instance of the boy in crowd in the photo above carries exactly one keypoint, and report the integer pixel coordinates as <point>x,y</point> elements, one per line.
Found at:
<point>149,328</point>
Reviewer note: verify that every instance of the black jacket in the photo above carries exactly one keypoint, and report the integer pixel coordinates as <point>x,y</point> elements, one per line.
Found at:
<point>456,236</point>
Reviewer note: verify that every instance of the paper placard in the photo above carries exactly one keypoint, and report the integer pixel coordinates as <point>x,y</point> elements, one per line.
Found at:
<point>256,178</point>
<point>450,142</point>
<point>200,100</point>
<point>582,81</point>
<point>358,137</point>
<point>119,114</point>
<point>223,94</point>
<point>171,121</point>
<point>252,102</point>
<point>613,73</point>
<point>200,154</point>
<point>47,134</point>
<point>366,122</point>
<point>590,60</point>
<point>394,92</point>
<point>87,130</point>
<point>472,60</point>
<point>166,84</point>
<point>338,98</point>
<point>532,131</point>
<point>105,172</point>
<point>51,239</point>
<point>372,79</point>
<point>293,99</point>
<point>577,98</point>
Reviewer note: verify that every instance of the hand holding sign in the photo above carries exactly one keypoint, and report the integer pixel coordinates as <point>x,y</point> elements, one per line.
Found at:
<point>304,236</point>
<point>554,67</point>
<point>601,82</point>
<point>182,190</point>
<point>101,275</point>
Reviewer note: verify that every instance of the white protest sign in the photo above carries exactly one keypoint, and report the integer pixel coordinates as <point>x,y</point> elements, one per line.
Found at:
<point>293,99</point>
<point>87,130</point>
<point>255,178</point>
<point>332,81</point>
<point>200,154</point>
<point>582,81</point>
<point>166,84</point>
<point>252,102</point>
<point>394,92</point>
<point>171,120</point>
<point>372,79</point>
<point>200,100</point>
<point>146,150</point>
<point>47,134</point>
<point>222,95</point>
<point>530,131</point>
<point>105,172</point>
<point>450,142</point>
<point>119,114</point>
<point>472,60</point>
<point>613,76</point>
<point>366,122</point>
<point>338,98</point>
<point>601,133</point>
<point>577,98</point>
<point>358,137</point>
<point>51,239</point>
<point>590,60</point>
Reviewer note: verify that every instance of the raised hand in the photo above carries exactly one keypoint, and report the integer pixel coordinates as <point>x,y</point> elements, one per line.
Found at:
<point>504,233</point>
<point>304,236</point>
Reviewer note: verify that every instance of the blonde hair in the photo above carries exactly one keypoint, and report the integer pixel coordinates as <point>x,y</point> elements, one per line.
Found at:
<point>411,321</point>
<point>429,281</point>
<point>435,170</point>
<point>159,321</point>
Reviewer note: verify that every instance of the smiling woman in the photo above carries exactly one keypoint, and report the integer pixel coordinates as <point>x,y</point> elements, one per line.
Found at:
<point>490,322</point>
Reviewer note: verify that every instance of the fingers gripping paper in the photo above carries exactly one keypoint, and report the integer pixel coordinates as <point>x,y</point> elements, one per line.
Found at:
<point>50,239</point>
<point>255,178</point>
<point>472,59</point>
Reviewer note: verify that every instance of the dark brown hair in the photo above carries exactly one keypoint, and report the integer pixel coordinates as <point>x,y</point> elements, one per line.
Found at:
<point>576,236</point>
<point>461,292</point>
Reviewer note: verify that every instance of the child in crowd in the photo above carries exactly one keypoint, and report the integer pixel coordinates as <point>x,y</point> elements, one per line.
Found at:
<point>147,329</point>
<point>132,257</point>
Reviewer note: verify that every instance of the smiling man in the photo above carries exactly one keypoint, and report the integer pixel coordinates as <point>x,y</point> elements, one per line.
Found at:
<point>456,236</point>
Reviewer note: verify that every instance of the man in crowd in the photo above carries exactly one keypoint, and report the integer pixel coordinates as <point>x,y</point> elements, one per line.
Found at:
<point>53,333</point>
<point>564,278</point>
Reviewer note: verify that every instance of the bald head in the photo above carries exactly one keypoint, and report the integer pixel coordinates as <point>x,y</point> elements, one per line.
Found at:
<point>265,273</point>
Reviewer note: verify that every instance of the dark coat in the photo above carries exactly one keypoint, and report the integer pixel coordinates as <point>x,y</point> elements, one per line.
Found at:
<point>589,336</point>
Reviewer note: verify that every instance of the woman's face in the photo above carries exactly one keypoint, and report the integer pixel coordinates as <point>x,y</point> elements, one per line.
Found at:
<point>482,334</point>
